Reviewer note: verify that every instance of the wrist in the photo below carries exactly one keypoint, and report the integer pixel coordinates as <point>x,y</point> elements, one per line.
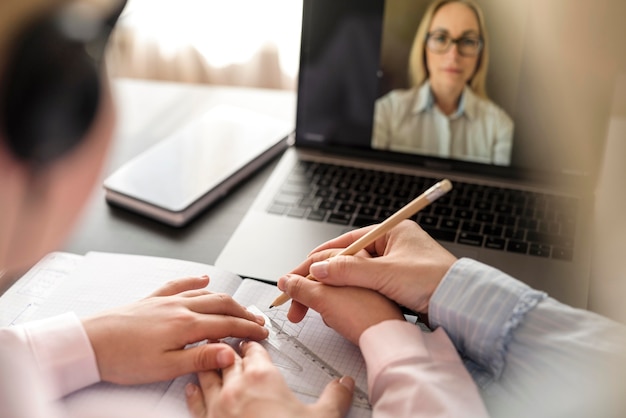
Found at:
<point>434,277</point>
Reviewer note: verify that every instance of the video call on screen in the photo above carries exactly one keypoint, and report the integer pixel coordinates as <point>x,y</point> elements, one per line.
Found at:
<point>548,81</point>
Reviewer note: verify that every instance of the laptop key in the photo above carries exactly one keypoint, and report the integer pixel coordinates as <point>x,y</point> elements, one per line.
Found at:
<point>317,215</point>
<point>287,199</point>
<point>440,234</point>
<point>296,212</point>
<point>539,250</point>
<point>277,209</point>
<point>448,223</point>
<point>361,221</point>
<point>340,218</point>
<point>519,247</point>
<point>495,243</point>
<point>428,220</point>
<point>470,239</point>
<point>493,230</point>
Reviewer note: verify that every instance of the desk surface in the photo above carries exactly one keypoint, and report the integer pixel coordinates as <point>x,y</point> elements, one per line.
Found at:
<point>147,112</point>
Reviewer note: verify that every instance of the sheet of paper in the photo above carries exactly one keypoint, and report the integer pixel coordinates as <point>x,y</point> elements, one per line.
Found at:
<point>306,377</point>
<point>63,282</point>
<point>88,284</point>
<point>298,349</point>
<point>105,280</point>
<point>21,301</point>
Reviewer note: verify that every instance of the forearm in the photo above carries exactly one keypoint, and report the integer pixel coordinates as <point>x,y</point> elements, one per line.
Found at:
<point>480,307</point>
<point>61,350</point>
<point>416,374</point>
<point>527,351</point>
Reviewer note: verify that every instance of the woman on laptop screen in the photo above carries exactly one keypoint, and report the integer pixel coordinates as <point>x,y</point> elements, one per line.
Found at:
<point>446,112</point>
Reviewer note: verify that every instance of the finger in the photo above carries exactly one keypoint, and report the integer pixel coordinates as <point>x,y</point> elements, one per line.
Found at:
<point>255,356</point>
<point>174,287</point>
<point>297,311</point>
<point>307,292</point>
<point>217,326</point>
<point>336,399</point>
<point>194,293</point>
<point>234,370</point>
<point>195,401</point>
<point>200,397</point>
<point>345,270</point>
<point>201,358</point>
<point>303,268</point>
<point>221,304</point>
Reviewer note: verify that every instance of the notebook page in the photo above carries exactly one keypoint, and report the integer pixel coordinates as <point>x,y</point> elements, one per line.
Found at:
<point>105,280</point>
<point>22,300</point>
<point>305,378</point>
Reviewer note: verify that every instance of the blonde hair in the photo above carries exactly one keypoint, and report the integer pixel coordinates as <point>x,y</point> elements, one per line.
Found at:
<point>418,71</point>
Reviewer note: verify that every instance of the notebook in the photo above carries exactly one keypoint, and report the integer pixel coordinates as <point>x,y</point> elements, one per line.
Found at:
<point>527,212</point>
<point>308,354</point>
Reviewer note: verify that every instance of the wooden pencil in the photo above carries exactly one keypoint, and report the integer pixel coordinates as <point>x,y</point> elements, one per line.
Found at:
<point>410,209</point>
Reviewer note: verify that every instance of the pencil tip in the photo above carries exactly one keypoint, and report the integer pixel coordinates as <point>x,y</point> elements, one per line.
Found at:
<point>271,306</point>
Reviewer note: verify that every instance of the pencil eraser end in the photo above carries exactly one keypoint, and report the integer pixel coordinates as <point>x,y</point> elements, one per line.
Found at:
<point>445,185</point>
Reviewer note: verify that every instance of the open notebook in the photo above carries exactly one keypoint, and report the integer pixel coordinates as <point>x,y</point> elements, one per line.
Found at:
<point>308,354</point>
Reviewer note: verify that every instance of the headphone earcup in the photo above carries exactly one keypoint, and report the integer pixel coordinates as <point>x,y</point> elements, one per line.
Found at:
<point>51,94</point>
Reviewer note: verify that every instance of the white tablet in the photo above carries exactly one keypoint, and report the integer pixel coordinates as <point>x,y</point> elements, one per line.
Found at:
<point>184,173</point>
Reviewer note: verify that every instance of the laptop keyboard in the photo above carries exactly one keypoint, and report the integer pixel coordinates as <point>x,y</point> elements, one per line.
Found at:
<point>523,222</point>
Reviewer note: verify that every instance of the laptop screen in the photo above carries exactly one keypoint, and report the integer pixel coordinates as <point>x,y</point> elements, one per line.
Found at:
<point>518,88</point>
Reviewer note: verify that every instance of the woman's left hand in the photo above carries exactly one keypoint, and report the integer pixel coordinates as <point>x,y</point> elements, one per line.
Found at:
<point>145,341</point>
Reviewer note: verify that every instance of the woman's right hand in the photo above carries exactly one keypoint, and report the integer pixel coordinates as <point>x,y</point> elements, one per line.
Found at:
<point>406,265</point>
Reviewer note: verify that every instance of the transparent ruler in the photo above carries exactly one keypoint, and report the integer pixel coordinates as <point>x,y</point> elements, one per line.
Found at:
<point>305,372</point>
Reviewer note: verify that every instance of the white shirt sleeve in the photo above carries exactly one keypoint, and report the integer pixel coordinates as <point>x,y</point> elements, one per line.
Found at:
<point>416,374</point>
<point>61,350</point>
<point>43,360</point>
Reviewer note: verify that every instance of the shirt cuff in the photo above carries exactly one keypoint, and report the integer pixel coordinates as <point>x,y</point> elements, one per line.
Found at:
<point>395,341</point>
<point>479,307</point>
<point>63,352</point>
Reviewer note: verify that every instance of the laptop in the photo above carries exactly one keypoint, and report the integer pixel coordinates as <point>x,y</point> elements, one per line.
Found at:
<point>549,70</point>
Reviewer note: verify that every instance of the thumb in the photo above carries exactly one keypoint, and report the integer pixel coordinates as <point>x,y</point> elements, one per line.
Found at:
<point>204,357</point>
<point>344,270</point>
<point>336,399</point>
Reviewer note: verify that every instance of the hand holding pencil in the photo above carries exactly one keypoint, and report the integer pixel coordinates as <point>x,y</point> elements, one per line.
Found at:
<point>419,203</point>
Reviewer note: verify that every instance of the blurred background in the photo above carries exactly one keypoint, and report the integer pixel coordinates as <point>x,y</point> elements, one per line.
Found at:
<point>238,42</point>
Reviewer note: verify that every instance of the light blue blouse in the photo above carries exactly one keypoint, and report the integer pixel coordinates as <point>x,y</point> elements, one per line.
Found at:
<point>409,121</point>
<point>530,354</point>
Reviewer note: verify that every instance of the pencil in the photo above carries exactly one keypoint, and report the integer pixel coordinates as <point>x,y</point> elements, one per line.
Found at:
<point>410,209</point>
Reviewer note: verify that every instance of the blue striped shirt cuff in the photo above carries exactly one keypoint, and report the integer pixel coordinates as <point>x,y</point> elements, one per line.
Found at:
<point>479,307</point>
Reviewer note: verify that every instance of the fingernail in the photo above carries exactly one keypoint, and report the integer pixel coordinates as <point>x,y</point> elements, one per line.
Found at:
<point>259,319</point>
<point>347,382</point>
<point>224,358</point>
<point>320,269</point>
<point>282,282</point>
<point>190,389</point>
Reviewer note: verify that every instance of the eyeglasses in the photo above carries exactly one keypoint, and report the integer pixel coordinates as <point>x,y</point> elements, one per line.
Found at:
<point>440,43</point>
